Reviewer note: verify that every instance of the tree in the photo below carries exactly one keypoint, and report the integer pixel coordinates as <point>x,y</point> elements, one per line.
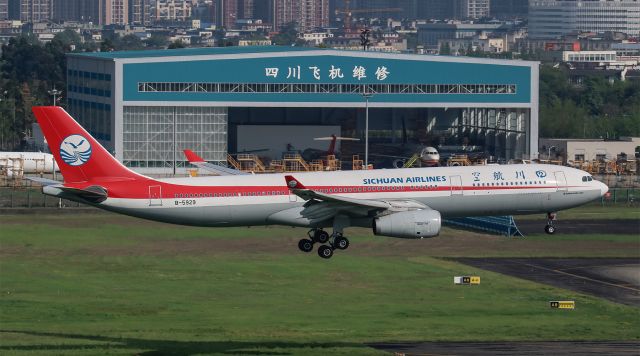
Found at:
<point>176,44</point>
<point>288,36</point>
<point>157,41</point>
<point>595,109</point>
<point>445,49</point>
<point>107,46</point>
<point>128,43</point>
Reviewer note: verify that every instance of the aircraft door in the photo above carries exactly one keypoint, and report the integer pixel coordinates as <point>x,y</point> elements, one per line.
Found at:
<point>456,185</point>
<point>155,195</point>
<point>292,197</point>
<point>561,181</point>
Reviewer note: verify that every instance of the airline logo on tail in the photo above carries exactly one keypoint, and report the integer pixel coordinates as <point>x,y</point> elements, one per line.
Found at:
<point>75,150</point>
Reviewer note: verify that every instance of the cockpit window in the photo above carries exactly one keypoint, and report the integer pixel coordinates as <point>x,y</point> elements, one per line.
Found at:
<point>587,179</point>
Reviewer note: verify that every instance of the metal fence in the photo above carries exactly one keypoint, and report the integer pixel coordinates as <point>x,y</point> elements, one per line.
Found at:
<point>31,197</point>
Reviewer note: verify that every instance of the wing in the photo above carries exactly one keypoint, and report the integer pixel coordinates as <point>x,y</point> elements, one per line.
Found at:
<point>214,168</point>
<point>320,206</point>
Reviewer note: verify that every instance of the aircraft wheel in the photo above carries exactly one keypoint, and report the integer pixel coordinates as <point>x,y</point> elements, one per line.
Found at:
<point>550,229</point>
<point>325,251</point>
<point>341,243</point>
<point>305,245</point>
<point>321,236</point>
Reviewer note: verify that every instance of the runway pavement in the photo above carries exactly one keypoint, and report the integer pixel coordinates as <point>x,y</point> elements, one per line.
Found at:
<point>512,348</point>
<point>615,279</point>
<point>580,226</point>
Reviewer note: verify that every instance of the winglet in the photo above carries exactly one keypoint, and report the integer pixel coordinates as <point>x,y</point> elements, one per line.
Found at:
<point>293,183</point>
<point>192,156</point>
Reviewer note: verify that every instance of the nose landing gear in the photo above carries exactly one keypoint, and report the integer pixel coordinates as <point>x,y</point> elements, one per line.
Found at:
<point>550,229</point>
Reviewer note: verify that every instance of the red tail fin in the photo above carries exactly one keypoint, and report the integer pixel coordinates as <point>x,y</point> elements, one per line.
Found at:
<point>192,156</point>
<point>80,157</point>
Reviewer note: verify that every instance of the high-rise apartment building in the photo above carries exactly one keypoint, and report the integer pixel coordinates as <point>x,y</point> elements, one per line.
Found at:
<point>472,9</point>
<point>140,12</point>
<point>13,9</point>
<point>435,9</point>
<point>245,9</point>
<point>308,14</point>
<point>77,10</point>
<point>227,13</point>
<point>264,10</point>
<point>556,18</point>
<point>114,12</point>
<point>4,9</point>
<point>509,8</point>
<point>35,10</point>
<point>173,10</point>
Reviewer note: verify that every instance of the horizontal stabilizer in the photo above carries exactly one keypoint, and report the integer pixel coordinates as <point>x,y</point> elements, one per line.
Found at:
<point>92,194</point>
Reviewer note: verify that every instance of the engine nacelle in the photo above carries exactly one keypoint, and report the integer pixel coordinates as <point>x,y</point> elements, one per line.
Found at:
<point>414,224</point>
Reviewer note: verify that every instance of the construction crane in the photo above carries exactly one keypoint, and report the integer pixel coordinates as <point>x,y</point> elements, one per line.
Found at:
<point>347,11</point>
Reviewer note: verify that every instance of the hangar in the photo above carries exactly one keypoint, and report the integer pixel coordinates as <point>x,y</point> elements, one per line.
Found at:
<point>146,106</point>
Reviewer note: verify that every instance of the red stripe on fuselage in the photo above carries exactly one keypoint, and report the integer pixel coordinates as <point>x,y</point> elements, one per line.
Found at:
<point>140,189</point>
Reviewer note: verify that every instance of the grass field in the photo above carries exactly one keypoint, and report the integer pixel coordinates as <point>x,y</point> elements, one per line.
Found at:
<point>107,284</point>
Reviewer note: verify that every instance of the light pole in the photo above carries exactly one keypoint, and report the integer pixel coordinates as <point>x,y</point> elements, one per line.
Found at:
<point>54,92</point>
<point>366,95</point>
<point>549,153</point>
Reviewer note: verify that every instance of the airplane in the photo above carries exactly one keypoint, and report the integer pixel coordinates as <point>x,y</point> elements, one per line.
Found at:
<point>30,162</point>
<point>401,203</point>
<point>311,154</point>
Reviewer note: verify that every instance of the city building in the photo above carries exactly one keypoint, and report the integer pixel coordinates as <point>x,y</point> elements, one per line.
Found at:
<point>13,9</point>
<point>114,12</point>
<point>607,64</point>
<point>506,9</point>
<point>554,18</point>
<point>245,9</point>
<point>460,47</point>
<point>140,12</point>
<point>263,10</point>
<point>4,10</point>
<point>570,150</point>
<point>308,14</point>
<point>436,9</point>
<point>227,13</point>
<point>315,38</point>
<point>35,10</point>
<point>472,9</point>
<point>77,10</point>
<point>147,106</point>
<point>173,10</point>
<point>429,34</point>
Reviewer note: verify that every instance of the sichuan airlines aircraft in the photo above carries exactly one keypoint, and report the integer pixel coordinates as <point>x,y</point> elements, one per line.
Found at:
<point>403,203</point>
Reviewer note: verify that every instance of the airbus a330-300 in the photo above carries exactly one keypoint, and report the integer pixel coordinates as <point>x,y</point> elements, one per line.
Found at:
<point>403,203</point>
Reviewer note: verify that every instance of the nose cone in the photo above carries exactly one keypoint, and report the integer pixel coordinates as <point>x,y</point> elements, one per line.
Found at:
<point>603,189</point>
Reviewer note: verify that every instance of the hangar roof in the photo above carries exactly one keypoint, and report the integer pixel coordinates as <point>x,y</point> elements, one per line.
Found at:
<point>204,51</point>
<point>186,54</point>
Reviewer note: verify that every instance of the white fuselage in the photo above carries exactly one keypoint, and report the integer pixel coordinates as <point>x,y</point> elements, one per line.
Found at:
<point>265,199</point>
<point>28,162</point>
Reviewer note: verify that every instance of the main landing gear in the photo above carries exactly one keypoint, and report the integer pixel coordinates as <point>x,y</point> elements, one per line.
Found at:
<point>550,229</point>
<point>328,244</point>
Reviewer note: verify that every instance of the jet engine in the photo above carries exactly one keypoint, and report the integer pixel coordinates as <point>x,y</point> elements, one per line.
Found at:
<point>412,224</point>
